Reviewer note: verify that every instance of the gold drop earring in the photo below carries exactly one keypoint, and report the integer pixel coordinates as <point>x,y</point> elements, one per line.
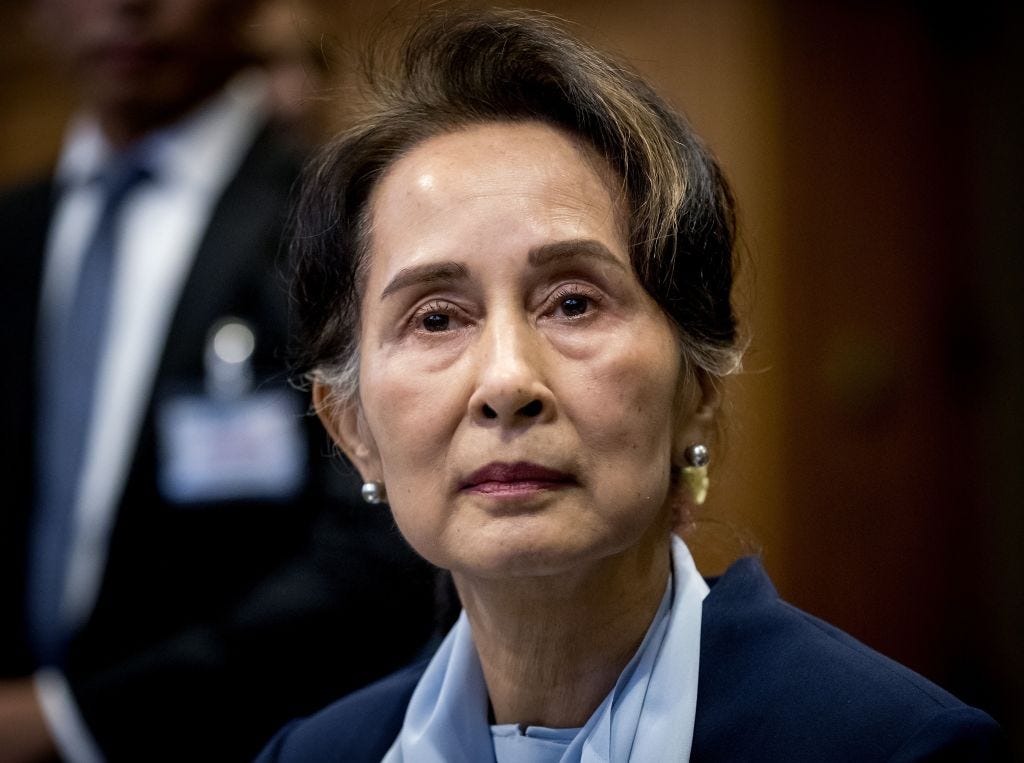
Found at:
<point>696,471</point>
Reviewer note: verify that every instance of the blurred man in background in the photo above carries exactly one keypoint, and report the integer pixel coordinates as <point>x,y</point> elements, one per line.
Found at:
<point>172,539</point>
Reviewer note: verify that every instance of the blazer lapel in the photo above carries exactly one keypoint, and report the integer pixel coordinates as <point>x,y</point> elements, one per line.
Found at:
<point>229,272</point>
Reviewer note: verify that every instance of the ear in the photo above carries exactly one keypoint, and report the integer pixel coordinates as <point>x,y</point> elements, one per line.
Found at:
<point>697,409</point>
<point>346,425</point>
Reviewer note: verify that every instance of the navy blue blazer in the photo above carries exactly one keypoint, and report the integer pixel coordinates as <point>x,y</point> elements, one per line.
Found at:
<point>775,684</point>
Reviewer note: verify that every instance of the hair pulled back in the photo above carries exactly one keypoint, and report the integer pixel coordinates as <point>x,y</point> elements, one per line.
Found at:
<point>458,69</point>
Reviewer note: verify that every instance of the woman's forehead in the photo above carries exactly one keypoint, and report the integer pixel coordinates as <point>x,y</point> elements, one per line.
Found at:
<point>519,185</point>
<point>496,157</point>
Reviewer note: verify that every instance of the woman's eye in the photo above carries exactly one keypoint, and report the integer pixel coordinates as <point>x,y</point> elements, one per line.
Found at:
<point>573,301</point>
<point>574,305</point>
<point>435,322</point>
<point>437,317</point>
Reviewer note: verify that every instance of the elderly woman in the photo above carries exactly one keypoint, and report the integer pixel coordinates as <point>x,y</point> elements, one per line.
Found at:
<point>513,283</point>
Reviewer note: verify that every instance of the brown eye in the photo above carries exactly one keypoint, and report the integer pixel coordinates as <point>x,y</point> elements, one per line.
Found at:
<point>575,305</point>
<point>435,322</point>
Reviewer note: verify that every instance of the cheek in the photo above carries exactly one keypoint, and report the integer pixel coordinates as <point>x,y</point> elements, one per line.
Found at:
<point>633,396</point>
<point>403,420</point>
<point>411,415</point>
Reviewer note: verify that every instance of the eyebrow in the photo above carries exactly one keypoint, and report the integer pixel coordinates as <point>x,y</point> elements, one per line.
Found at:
<point>539,256</point>
<point>430,273</point>
<point>580,248</point>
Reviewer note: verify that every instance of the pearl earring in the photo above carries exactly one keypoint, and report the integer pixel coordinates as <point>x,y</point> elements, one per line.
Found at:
<point>374,493</point>
<point>696,471</point>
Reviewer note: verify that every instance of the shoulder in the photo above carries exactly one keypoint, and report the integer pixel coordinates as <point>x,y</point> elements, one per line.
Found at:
<point>800,689</point>
<point>34,192</point>
<point>28,202</point>
<point>273,160</point>
<point>247,225</point>
<point>359,727</point>
<point>25,212</point>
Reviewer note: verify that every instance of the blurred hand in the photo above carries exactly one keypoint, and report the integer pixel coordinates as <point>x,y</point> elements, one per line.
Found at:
<point>24,736</point>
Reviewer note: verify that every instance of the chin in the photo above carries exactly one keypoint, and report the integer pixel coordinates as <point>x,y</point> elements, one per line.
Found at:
<point>513,566</point>
<point>529,549</point>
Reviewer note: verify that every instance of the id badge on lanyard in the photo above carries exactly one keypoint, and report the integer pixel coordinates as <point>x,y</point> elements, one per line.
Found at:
<point>231,442</point>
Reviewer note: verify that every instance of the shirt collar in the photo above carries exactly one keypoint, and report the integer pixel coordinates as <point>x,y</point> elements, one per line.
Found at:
<point>649,715</point>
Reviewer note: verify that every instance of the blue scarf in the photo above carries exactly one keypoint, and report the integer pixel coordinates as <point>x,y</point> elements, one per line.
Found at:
<point>648,715</point>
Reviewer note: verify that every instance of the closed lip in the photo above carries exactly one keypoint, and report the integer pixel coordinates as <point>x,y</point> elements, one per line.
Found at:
<point>500,477</point>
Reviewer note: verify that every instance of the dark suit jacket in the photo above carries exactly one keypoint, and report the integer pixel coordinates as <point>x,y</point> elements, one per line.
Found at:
<point>775,684</point>
<point>215,623</point>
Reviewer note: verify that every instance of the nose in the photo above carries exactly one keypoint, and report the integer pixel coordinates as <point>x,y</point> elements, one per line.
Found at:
<point>511,389</point>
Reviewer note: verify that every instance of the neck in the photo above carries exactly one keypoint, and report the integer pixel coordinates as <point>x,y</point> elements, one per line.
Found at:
<point>122,132</point>
<point>125,122</point>
<point>552,648</point>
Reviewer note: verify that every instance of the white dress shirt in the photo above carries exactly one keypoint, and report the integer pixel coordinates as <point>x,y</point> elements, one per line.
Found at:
<point>160,227</point>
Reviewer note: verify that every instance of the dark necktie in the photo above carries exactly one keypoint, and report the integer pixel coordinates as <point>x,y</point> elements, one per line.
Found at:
<point>67,377</point>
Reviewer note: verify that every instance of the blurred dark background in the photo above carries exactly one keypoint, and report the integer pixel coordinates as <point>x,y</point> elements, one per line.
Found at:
<point>875,442</point>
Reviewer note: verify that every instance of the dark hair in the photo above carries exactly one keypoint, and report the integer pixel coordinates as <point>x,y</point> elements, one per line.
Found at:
<point>470,67</point>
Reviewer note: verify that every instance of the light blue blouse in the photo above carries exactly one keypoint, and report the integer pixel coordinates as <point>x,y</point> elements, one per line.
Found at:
<point>534,744</point>
<point>648,715</point>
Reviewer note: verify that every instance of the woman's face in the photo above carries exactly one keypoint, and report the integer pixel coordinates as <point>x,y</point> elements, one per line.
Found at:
<point>520,392</point>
